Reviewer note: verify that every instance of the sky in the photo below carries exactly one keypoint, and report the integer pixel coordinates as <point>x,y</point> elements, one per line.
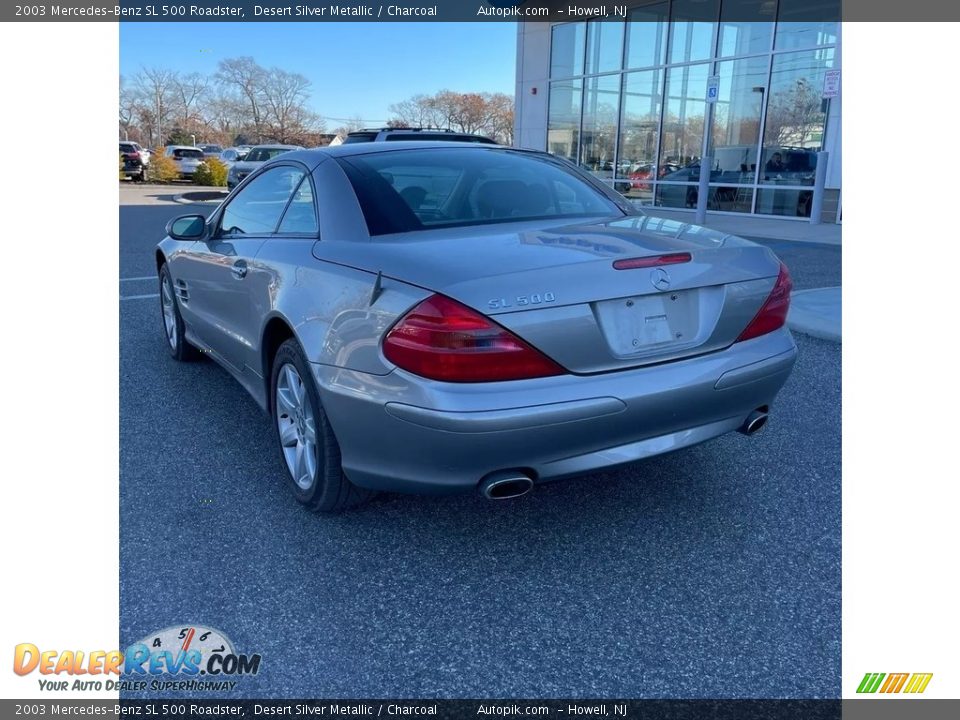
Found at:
<point>356,69</point>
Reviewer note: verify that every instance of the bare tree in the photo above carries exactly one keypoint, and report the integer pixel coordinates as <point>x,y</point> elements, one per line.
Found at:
<point>447,108</point>
<point>418,111</point>
<point>487,113</point>
<point>354,123</point>
<point>794,115</point>
<point>350,125</point>
<point>284,102</point>
<point>224,114</point>
<point>156,87</point>
<point>188,91</point>
<point>471,112</point>
<point>129,107</point>
<point>500,125</point>
<point>246,80</point>
<point>245,102</point>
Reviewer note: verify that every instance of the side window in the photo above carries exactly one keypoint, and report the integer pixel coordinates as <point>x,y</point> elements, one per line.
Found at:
<point>257,208</point>
<point>301,215</point>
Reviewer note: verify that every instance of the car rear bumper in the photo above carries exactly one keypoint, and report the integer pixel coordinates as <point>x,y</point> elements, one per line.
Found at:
<point>401,433</point>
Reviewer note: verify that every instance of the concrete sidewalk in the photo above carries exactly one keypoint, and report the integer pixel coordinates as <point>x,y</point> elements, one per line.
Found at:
<point>752,226</point>
<point>817,313</point>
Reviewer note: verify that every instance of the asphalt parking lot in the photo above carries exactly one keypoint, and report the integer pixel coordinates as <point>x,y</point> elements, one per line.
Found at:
<point>712,572</point>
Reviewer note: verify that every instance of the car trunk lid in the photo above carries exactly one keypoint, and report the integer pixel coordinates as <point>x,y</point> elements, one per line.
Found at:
<point>557,287</point>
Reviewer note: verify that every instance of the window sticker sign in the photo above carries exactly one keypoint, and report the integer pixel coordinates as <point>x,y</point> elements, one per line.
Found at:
<point>831,84</point>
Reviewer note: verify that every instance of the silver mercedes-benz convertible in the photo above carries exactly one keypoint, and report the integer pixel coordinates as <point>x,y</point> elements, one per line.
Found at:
<point>443,317</point>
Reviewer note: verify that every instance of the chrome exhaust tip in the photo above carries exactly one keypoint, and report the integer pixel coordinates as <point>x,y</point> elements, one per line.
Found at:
<point>505,485</point>
<point>754,422</point>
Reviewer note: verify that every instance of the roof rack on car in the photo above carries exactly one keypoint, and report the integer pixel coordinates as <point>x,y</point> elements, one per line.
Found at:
<point>406,129</point>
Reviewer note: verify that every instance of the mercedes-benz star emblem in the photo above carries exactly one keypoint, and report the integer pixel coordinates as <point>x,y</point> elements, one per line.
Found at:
<point>660,279</point>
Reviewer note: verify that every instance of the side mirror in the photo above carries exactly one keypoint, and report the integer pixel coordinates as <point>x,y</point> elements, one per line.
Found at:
<point>187,227</point>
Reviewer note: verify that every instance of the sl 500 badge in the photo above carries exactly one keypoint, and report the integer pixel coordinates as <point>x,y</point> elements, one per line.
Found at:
<point>521,301</point>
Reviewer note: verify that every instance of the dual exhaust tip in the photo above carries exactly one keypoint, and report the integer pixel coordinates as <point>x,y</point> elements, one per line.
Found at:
<point>506,485</point>
<point>510,484</point>
<point>754,422</point>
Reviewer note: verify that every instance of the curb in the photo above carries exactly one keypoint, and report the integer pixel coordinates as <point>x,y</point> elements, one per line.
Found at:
<point>811,322</point>
<point>211,197</point>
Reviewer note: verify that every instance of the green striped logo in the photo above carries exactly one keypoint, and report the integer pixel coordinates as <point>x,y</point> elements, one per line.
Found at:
<point>912,683</point>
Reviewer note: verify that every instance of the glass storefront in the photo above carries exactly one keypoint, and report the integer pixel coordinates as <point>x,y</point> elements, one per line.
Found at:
<point>627,100</point>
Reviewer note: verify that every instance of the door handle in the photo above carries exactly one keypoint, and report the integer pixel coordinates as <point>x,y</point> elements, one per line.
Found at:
<point>239,269</point>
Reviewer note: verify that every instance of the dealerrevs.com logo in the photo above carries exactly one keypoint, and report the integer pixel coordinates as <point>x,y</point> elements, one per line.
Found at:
<point>180,657</point>
<point>910,683</point>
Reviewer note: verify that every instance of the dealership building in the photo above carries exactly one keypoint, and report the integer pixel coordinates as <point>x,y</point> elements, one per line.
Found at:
<point>639,97</point>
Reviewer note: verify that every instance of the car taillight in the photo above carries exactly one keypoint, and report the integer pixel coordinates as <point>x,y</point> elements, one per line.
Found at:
<point>649,262</point>
<point>773,314</point>
<point>441,339</point>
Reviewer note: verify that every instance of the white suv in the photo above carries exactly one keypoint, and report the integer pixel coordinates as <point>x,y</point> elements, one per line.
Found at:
<point>187,158</point>
<point>405,133</point>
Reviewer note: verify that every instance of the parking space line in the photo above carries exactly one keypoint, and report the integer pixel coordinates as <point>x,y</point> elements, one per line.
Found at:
<point>139,297</point>
<point>145,277</point>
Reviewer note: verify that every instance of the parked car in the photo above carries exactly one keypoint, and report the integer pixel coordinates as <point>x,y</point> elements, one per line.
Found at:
<point>256,157</point>
<point>409,133</point>
<point>642,173</point>
<point>187,159</point>
<point>211,150</point>
<point>234,154</point>
<point>471,318</point>
<point>604,173</point>
<point>726,186</point>
<point>135,160</point>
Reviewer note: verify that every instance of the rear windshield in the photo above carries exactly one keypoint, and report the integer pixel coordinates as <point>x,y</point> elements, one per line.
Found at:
<point>188,153</point>
<point>359,137</point>
<point>408,190</point>
<point>440,136</point>
<point>264,154</point>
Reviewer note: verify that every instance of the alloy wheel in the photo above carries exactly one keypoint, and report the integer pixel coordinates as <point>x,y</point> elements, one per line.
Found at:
<point>297,427</point>
<point>169,314</point>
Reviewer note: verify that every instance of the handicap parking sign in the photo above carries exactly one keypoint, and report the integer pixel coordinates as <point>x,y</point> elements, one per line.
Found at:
<point>713,88</point>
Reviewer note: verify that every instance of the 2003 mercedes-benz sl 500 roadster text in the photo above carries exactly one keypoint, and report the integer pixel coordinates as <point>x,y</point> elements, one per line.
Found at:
<point>438,317</point>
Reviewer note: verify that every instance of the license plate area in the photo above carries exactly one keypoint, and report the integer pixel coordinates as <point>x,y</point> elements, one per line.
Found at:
<point>650,324</point>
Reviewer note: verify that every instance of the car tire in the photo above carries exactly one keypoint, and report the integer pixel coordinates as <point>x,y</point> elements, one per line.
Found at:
<point>173,325</point>
<point>308,448</point>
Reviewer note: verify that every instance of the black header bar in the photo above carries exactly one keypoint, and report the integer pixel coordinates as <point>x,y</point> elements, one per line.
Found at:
<point>433,10</point>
